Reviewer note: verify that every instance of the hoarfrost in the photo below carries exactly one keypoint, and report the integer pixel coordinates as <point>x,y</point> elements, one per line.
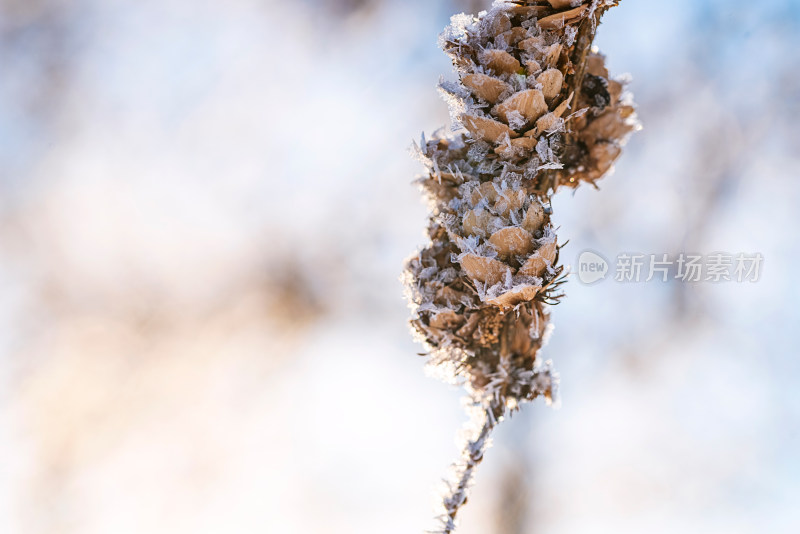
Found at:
<point>551,165</point>
<point>578,113</point>
<point>459,26</point>
<point>478,151</point>
<point>570,32</point>
<point>516,121</point>
<point>544,150</point>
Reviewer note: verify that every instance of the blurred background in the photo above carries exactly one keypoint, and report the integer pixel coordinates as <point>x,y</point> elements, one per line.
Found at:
<point>204,210</point>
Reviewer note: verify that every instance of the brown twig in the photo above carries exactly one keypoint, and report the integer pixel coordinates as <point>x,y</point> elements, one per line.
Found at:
<point>464,470</point>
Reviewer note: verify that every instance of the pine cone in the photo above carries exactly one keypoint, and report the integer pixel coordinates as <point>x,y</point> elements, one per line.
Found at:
<point>480,290</point>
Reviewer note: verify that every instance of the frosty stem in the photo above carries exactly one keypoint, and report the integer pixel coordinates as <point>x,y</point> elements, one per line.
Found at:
<point>583,45</point>
<point>471,456</point>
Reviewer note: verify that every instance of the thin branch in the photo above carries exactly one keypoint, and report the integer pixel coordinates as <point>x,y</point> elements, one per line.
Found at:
<point>484,422</point>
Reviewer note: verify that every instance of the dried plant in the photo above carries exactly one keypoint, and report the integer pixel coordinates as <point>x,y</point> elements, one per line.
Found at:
<point>534,110</point>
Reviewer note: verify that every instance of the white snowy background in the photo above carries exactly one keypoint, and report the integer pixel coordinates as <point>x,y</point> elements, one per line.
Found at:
<point>204,210</point>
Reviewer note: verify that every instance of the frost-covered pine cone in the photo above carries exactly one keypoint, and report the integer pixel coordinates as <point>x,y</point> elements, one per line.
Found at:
<point>534,109</point>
